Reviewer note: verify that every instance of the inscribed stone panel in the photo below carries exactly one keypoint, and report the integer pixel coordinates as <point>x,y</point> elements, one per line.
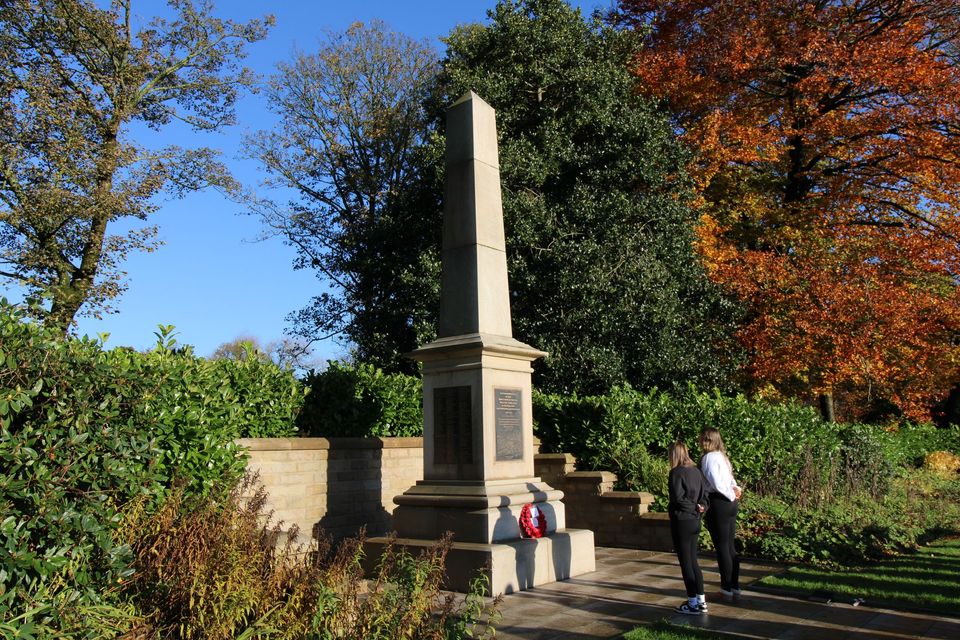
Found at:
<point>508,419</point>
<point>452,425</point>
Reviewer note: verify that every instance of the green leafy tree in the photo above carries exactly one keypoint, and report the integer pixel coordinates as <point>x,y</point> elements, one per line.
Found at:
<point>242,348</point>
<point>286,353</point>
<point>596,204</point>
<point>350,144</point>
<point>74,79</point>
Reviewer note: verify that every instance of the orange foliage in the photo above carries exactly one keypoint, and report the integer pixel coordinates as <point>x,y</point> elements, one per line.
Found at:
<point>829,163</point>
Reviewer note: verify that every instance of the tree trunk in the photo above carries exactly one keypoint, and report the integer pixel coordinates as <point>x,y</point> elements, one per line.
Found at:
<point>75,290</point>
<point>826,406</point>
<point>66,302</point>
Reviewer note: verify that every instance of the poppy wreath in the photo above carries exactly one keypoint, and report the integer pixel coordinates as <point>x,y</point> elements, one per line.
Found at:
<point>533,523</point>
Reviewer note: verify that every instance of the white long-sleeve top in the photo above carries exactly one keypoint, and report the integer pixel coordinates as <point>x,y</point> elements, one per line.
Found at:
<point>719,474</point>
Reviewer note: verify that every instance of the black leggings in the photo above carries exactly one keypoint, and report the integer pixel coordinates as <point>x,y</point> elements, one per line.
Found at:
<point>722,524</point>
<point>685,534</point>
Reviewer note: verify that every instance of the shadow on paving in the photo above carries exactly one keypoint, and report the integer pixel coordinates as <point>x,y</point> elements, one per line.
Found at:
<point>615,599</point>
<point>777,617</point>
<point>921,581</point>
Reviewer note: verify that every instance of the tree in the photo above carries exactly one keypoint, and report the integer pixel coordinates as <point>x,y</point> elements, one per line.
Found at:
<point>829,165</point>
<point>242,348</point>
<point>350,144</point>
<point>287,353</point>
<point>74,79</point>
<point>596,204</point>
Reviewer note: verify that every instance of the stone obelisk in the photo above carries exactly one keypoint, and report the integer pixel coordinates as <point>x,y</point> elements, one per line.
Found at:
<point>478,421</point>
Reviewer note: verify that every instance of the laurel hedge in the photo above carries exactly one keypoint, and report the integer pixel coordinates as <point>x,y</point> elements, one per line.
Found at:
<point>361,401</point>
<point>782,448</point>
<point>84,430</point>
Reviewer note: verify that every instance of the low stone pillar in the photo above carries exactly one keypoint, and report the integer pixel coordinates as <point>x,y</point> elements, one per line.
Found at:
<point>552,468</point>
<point>618,518</point>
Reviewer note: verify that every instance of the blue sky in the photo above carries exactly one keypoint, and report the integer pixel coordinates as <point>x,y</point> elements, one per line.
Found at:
<point>212,279</point>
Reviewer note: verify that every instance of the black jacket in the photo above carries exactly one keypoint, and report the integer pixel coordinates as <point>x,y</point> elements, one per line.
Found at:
<point>688,488</point>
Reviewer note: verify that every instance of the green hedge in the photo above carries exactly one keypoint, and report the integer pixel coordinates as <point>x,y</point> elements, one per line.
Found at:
<point>775,448</point>
<point>816,491</point>
<point>361,401</point>
<point>607,432</point>
<point>83,430</point>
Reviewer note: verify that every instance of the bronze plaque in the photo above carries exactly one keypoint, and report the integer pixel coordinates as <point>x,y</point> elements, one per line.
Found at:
<point>452,426</point>
<point>508,418</point>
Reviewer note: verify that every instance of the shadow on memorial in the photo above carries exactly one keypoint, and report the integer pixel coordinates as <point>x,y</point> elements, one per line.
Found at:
<point>528,550</point>
<point>354,496</point>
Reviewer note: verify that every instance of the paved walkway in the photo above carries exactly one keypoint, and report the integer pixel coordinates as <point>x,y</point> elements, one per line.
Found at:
<point>633,587</point>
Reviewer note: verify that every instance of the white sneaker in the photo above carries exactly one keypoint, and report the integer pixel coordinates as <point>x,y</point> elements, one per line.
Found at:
<point>690,610</point>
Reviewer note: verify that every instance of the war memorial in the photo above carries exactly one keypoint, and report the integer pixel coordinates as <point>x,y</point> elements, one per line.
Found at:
<point>478,424</point>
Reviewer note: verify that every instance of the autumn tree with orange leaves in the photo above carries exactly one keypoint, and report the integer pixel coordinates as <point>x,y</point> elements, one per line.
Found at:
<point>829,141</point>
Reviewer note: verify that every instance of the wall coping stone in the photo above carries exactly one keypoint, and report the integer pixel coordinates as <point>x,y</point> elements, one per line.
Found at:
<point>590,476</point>
<point>306,444</point>
<point>549,457</point>
<point>642,496</point>
<point>655,515</point>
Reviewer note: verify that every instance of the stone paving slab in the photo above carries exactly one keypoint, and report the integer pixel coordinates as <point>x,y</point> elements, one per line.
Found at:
<point>632,587</point>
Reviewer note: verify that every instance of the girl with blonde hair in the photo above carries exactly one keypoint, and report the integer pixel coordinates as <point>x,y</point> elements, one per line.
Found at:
<point>722,516</point>
<point>688,501</point>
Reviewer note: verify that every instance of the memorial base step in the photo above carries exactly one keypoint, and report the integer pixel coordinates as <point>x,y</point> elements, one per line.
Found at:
<point>509,566</point>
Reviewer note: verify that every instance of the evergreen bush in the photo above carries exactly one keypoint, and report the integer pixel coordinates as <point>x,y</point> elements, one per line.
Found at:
<point>617,430</point>
<point>84,430</point>
<point>783,449</point>
<point>816,491</point>
<point>361,401</point>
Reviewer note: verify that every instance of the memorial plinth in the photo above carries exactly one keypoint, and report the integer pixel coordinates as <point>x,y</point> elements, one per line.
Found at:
<point>478,420</point>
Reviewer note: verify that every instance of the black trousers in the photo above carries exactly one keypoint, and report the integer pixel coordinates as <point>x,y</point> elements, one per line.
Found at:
<point>722,524</point>
<point>685,534</point>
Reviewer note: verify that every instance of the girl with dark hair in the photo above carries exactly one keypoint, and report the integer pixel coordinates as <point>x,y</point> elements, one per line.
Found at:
<point>688,501</point>
<point>722,517</point>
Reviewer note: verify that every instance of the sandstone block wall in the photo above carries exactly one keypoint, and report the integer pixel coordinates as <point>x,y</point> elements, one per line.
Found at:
<point>343,484</point>
<point>337,484</point>
<point>617,518</point>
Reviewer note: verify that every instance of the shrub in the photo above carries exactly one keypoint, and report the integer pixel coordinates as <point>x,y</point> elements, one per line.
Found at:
<point>908,443</point>
<point>621,430</point>
<point>918,506</point>
<point>943,463</point>
<point>816,491</point>
<point>84,430</point>
<point>782,449</point>
<point>70,452</point>
<point>194,408</point>
<point>53,610</point>
<point>867,464</point>
<point>362,401</point>
<point>202,566</point>
<point>211,569</point>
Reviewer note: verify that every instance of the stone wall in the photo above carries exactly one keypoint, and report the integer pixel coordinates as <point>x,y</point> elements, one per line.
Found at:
<point>338,484</point>
<point>342,484</point>
<point>617,518</point>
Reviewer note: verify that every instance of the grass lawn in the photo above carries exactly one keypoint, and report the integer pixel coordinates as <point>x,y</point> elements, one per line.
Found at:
<point>664,630</point>
<point>928,579</point>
